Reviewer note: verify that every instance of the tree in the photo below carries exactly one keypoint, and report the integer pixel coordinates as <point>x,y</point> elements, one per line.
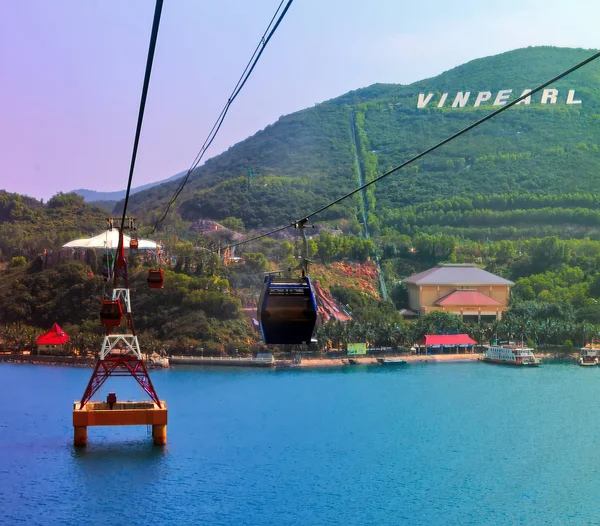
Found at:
<point>69,200</point>
<point>286,249</point>
<point>18,261</point>
<point>233,223</point>
<point>399,295</point>
<point>326,247</point>
<point>92,260</point>
<point>255,262</point>
<point>436,322</point>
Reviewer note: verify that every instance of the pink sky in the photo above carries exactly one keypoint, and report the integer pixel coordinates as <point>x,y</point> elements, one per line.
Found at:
<point>72,72</point>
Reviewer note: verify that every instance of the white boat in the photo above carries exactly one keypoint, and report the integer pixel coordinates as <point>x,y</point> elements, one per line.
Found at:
<point>510,355</point>
<point>588,355</point>
<point>391,361</point>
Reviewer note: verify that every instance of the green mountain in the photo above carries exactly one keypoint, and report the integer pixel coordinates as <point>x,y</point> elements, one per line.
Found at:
<point>93,196</point>
<point>28,226</point>
<point>310,157</point>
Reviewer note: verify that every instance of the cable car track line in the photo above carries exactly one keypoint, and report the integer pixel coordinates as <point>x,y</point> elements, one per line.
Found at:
<point>138,130</point>
<point>268,34</point>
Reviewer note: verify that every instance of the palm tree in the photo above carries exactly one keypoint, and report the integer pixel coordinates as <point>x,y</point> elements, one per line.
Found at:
<point>587,332</point>
<point>477,331</point>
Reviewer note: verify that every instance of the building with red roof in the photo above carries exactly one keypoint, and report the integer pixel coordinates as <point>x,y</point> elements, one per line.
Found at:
<point>53,340</point>
<point>463,289</point>
<point>448,342</point>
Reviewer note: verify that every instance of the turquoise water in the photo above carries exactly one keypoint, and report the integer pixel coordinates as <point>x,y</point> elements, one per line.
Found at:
<point>466,443</point>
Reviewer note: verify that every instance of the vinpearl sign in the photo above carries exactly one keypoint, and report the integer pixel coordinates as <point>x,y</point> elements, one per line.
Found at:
<point>549,96</point>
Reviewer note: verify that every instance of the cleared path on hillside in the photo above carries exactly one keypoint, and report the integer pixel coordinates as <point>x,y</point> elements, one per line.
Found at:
<point>363,198</point>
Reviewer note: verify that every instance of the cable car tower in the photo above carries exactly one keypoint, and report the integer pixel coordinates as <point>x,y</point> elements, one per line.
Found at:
<point>120,356</point>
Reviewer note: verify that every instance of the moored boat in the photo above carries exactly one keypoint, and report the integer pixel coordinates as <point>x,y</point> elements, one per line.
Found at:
<point>588,355</point>
<point>391,361</point>
<point>510,355</point>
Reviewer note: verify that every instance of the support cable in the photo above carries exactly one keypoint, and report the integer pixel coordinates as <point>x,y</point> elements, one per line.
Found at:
<point>138,130</point>
<point>425,152</point>
<point>268,34</point>
<point>120,365</point>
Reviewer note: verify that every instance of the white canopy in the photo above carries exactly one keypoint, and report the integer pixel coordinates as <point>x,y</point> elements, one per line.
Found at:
<point>109,239</point>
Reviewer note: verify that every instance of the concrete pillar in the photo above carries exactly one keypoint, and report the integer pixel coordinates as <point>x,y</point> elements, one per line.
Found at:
<point>80,436</point>
<point>159,435</point>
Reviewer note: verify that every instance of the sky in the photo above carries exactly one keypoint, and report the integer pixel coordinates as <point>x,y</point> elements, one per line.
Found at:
<point>71,72</point>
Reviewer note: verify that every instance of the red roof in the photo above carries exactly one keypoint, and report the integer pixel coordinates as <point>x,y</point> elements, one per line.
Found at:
<point>55,336</point>
<point>448,340</point>
<point>467,298</point>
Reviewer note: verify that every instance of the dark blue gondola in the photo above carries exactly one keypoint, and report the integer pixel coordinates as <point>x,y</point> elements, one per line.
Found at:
<point>287,311</point>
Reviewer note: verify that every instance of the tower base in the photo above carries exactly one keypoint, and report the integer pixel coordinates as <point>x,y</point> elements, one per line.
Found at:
<point>120,414</point>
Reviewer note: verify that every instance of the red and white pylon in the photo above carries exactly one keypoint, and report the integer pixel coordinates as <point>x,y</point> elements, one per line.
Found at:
<point>120,354</point>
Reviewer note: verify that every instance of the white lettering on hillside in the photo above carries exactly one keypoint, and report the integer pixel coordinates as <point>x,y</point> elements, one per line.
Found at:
<point>571,97</point>
<point>526,100</point>
<point>461,100</point>
<point>548,96</point>
<point>502,97</point>
<point>423,101</point>
<point>482,97</point>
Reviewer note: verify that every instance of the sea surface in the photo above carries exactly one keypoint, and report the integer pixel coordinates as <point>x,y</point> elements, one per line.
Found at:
<point>452,443</point>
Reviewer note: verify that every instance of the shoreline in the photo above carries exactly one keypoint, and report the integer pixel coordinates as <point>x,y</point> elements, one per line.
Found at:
<point>412,358</point>
<point>307,362</point>
<point>64,361</point>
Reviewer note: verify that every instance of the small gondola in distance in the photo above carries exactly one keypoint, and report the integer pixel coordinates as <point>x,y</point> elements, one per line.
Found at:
<point>111,313</point>
<point>156,278</point>
<point>287,311</point>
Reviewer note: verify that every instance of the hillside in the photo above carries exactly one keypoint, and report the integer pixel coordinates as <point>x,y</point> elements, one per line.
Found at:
<point>501,216</point>
<point>517,196</point>
<point>28,226</point>
<point>557,282</point>
<point>92,196</point>
<point>308,158</point>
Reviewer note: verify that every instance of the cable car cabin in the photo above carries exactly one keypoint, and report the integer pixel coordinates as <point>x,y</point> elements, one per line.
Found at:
<point>287,311</point>
<point>133,244</point>
<point>156,278</point>
<point>111,313</point>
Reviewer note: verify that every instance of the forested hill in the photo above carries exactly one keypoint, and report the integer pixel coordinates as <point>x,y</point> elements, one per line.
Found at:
<point>91,196</point>
<point>305,159</point>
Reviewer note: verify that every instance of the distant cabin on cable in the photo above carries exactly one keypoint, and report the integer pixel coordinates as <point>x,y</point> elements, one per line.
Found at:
<point>463,289</point>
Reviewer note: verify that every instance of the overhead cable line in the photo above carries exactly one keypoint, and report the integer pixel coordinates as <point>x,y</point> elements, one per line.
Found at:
<point>255,238</point>
<point>423,153</point>
<point>268,34</point>
<point>138,130</point>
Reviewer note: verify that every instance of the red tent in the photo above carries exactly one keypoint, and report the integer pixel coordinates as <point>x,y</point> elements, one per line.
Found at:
<point>55,336</point>
<point>449,340</point>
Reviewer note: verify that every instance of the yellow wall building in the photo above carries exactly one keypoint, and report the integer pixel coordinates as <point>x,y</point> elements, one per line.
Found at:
<point>464,289</point>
